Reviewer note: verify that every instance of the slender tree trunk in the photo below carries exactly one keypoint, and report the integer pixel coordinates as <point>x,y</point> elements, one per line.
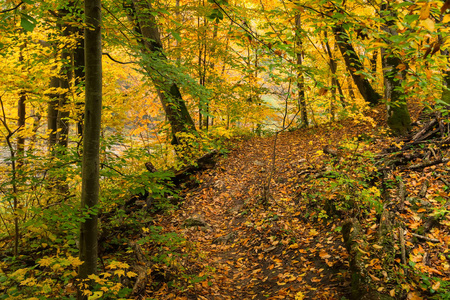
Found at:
<point>91,143</point>
<point>78,73</point>
<point>21,113</point>
<point>300,77</point>
<point>333,68</point>
<point>65,79</point>
<point>373,61</point>
<point>35,127</point>
<point>446,79</point>
<point>354,66</point>
<point>52,112</point>
<point>212,66</point>
<point>178,18</point>
<point>446,86</point>
<point>200,68</point>
<point>156,66</point>
<point>351,92</point>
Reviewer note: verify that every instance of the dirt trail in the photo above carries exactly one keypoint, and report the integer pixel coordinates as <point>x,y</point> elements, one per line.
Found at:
<point>266,252</point>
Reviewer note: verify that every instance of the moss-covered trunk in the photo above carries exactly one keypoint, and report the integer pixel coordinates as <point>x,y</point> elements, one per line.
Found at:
<point>156,64</point>
<point>355,66</point>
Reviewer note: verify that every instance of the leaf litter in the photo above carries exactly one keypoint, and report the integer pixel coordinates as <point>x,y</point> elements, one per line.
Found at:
<point>256,248</point>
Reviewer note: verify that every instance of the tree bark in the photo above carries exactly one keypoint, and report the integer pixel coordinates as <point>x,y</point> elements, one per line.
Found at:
<point>91,143</point>
<point>354,66</point>
<point>156,65</point>
<point>300,77</point>
<point>52,113</point>
<point>398,118</point>
<point>334,80</point>
<point>64,84</point>
<point>78,73</point>
<point>446,80</point>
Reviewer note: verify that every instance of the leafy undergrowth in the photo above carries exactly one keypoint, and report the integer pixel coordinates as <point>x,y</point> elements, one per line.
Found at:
<point>283,240</point>
<point>268,222</point>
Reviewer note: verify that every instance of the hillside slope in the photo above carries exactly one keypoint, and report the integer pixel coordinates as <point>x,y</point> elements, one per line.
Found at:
<point>283,240</point>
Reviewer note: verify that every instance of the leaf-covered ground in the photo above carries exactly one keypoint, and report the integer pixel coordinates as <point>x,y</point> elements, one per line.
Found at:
<point>254,232</point>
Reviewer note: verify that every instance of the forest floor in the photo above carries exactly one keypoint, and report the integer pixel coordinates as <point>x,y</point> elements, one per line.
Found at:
<point>263,241</point>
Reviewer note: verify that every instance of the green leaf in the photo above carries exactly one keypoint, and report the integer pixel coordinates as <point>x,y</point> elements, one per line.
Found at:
<point>28,1</point>
<point>96,295</point>
<point>411,18</point>
<point>28,23</point>
<point>176,35</point>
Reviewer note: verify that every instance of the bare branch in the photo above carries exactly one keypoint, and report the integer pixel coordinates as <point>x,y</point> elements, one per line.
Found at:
<point>11,9</point>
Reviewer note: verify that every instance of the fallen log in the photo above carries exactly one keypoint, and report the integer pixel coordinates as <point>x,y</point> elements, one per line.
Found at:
<point>205,162</point>
<point>419,135</point>
<point>429,163</point>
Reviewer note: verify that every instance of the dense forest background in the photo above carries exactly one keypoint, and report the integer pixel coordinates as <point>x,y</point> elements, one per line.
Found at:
<point>138,124</point>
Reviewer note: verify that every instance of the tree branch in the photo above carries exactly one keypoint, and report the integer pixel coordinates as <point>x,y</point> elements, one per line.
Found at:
<point>11,9</point>
<point>119,62</point>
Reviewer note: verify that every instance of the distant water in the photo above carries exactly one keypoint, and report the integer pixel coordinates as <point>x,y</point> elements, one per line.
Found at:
<point>5,154</point>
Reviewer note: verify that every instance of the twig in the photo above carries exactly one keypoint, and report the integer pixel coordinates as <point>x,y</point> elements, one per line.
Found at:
<point>402,243</point>
<point>425,238</point>
<point>444,181</point>
<point>428,164</point>
<point>424,189</point>
<point>402,194</point>
<point>117,61</point>
<point>11,9</point>
<point>424,129</point>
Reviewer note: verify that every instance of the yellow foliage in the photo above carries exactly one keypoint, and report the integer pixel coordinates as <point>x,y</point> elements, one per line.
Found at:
<point>119,273</point>
<point>30,281</point>
<point>19,274</point>
<point>117,265</point>
<point>45,262</point>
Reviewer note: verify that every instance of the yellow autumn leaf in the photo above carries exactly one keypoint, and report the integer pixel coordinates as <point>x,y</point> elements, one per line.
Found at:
<point>413,296</point>
<point>436,286</point>
<point>313,232</point>
<point>29,282</point>
<point>299,296</point>
<point>96,295</point>
<point>293,246</point>
<point>446,18</point>
<point>428,24</point>
<point>131,274</point>
<point>74,261</point>
<point>93,277</point>
<point>425,11</point>
<point>45,262</point>
<point>119,273</point>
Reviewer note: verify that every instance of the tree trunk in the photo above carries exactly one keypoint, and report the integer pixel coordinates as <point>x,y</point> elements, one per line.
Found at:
<point>446,80</point>
<point>52,109</point>
<point>398,118</point>
<point>21,113</point>
<point>333,68</point>
<point>91,143</point>
<point>300,77</point>
<point>354,66</point>
<point>78,73</point>
<point>156,66</point>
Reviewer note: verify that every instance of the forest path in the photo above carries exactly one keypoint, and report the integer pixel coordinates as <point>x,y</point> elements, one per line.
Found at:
<point>266,252</point>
